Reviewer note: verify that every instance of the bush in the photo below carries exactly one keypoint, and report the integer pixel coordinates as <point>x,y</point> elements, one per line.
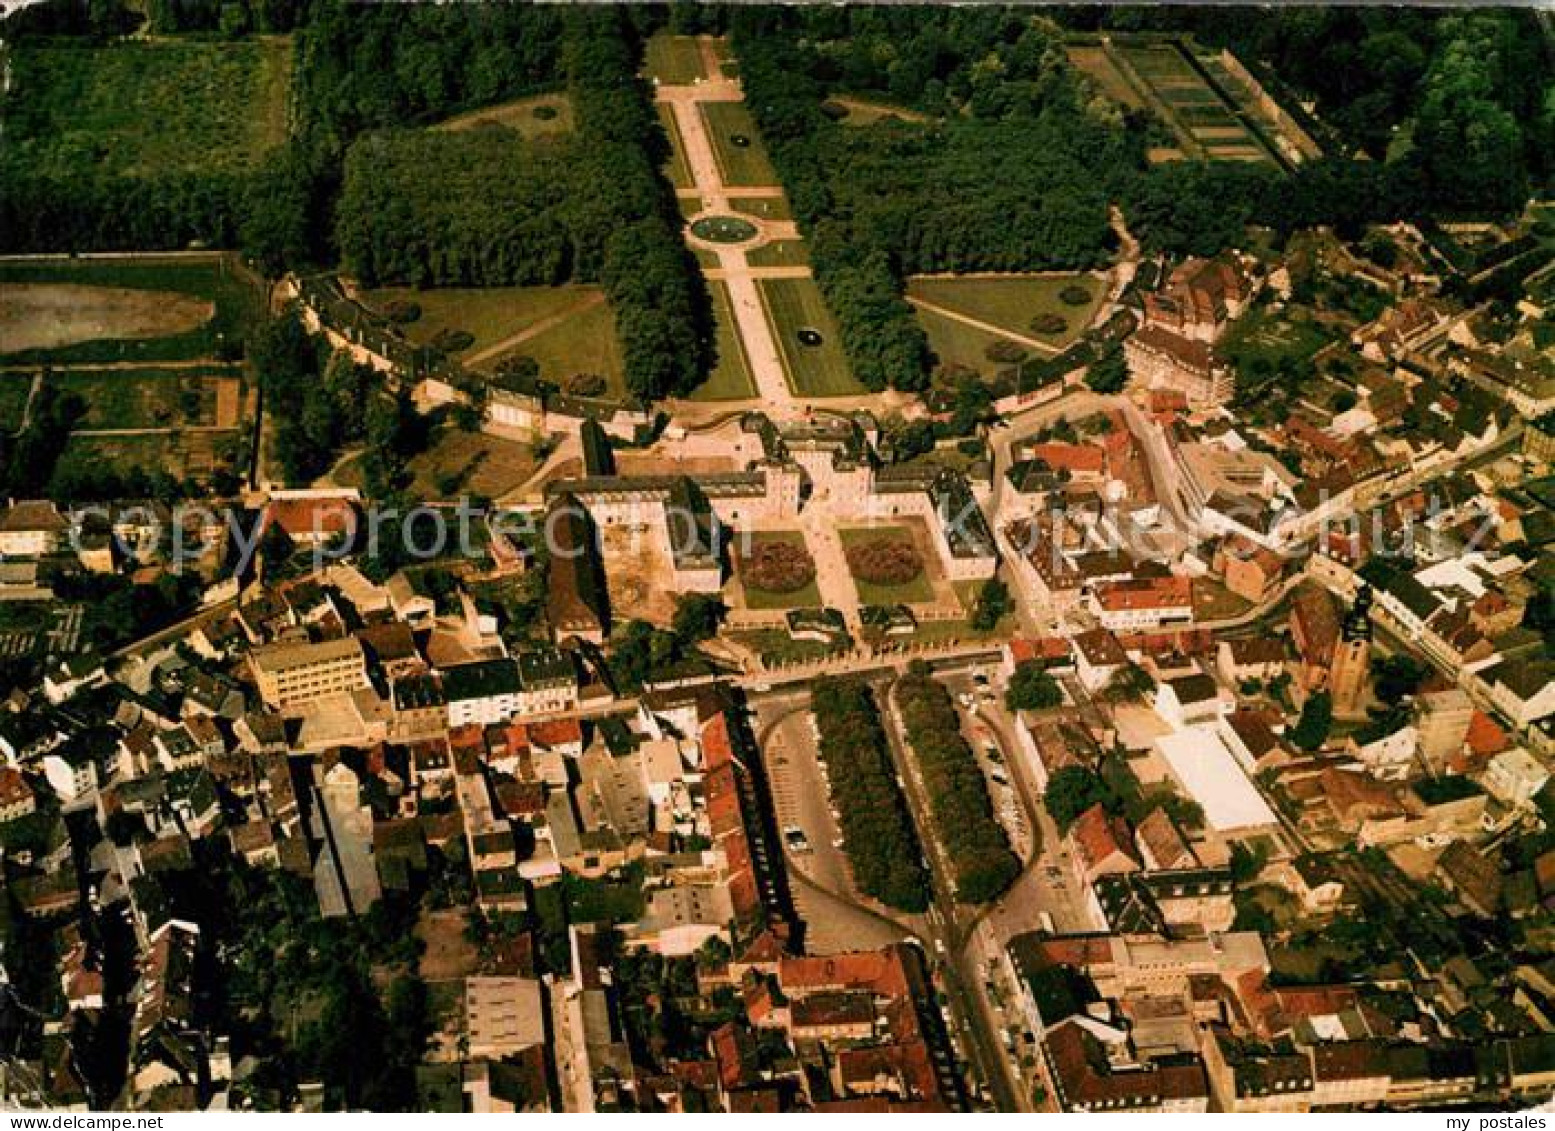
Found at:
<point>1049,323</point>
<point>777,567</point>
<point>976,843</point>
<point>545,113</point>
<point>401,311</point>
<point>451,340</point>
<point>1074,295</point>
<point>585,385</point>
<point>885,561</point>
<point>1004,353</point>
<point>877,831</point>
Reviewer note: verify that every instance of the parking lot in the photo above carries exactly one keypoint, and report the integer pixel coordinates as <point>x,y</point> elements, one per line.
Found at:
<point>812,842</point>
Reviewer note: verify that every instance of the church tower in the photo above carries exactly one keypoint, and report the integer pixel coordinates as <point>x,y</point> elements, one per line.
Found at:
<point>1352,658</point>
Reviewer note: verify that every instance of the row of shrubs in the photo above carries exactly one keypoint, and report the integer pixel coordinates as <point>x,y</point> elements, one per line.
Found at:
<point>877,831</point>
<point>976,843</point>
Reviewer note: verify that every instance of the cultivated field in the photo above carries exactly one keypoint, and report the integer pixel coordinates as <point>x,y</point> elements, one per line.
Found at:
<point>819,370</point>
<point>180,454</point>
<point>675,60</point>
<point>153,398</point>
<point>1205,121</point>
<point>146,107</point>
<point>1096,63</point>
<point>730,379</point>
<point>542,115</point>
<point>739,165</point>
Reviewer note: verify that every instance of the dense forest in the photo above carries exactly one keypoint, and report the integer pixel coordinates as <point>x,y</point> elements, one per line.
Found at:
<point>976,843</point>
<point>877,831</point>
<point>1020,156</point>
<point>485,208</point>
<point>1424,114</point>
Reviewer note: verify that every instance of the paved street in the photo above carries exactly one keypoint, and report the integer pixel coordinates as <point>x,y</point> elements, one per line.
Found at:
<point>836,917</point>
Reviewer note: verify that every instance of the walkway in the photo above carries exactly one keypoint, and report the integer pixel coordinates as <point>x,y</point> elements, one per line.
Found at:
<point>588,302</point>
<point>762,355</point>
<point>1047,349</point>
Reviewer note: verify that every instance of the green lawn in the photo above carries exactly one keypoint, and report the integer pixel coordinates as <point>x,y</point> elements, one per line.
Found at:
<point>737,164</point>
<point>1011,302</point>
<point>674,60</point>
<point>780,253</point>
<point>679,171</point>
<point>237,296</point>
<point>14,390</point>
<point>915,592</point>
<point>583,343</point>
<point>869,111</point>
<point>541,115</point>
<point>813,371</point>
<point>730,379</point>
<point>142,398</point>
<point>459,463</point>
<point>766,207</point>
<point>491,314</point>
<point>145,107</point>
<point>959,344</point>
<point>775,646</point>
<point>808,597</point>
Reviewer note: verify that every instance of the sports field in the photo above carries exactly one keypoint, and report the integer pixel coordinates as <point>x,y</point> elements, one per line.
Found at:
<point>737,146</point>
<point>146,107</point>
<point>730,379</point>
<point>818,369</point>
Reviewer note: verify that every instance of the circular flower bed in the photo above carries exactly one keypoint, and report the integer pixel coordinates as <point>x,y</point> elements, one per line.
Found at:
<point>1049,323</point>
<point>724,229</point>
<point>777,567</point>
<point>452,340</point>
<point>885,561</point>
<point>1074,295</point>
